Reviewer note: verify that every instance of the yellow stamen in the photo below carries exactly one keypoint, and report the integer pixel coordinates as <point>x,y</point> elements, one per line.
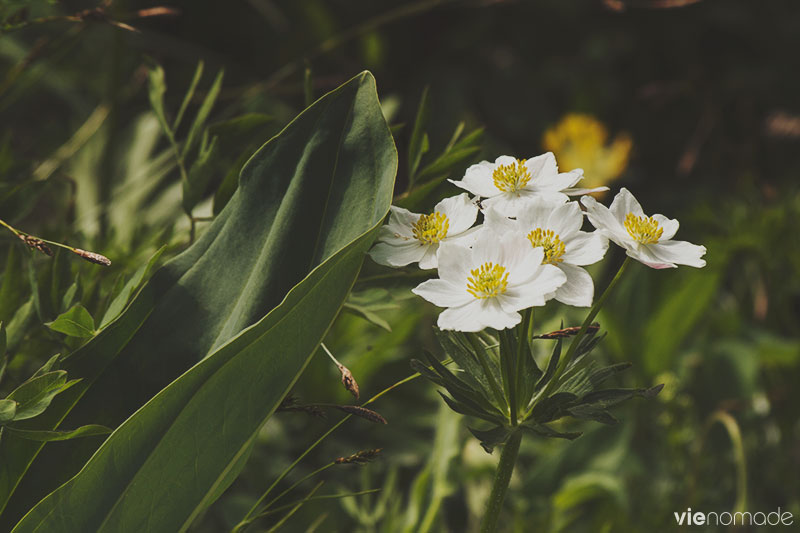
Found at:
<point>511,177</point>
<point>550,242</point>
<point>487,281</point>
<point>430,229</point>
<point>643,229</point>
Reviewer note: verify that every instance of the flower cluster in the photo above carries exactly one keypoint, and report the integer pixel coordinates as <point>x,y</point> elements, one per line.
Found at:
<point>530,247</point>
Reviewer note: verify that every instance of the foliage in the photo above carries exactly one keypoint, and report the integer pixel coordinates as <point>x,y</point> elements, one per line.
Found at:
<point>126,142</point>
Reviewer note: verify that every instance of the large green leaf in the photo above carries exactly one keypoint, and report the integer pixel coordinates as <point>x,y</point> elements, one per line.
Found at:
<point>306,210</point>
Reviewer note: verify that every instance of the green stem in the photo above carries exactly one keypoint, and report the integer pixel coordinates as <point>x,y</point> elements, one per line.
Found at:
<point>522,343</point>
<point>248,517</point>
<point>501,479</point>
<point>589,319</point>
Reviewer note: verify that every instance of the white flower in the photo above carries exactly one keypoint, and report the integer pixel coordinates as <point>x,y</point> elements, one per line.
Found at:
<point>411,237</point>
<point>555,227</point>
<point>486,285</point>
<point>646,239</point>
<point>507,182</point>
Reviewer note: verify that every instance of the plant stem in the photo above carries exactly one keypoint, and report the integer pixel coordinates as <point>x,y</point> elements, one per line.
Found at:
<point>501,479</point>
<point>589,318</point>
<point>525,328</point>
<point>248,517</point>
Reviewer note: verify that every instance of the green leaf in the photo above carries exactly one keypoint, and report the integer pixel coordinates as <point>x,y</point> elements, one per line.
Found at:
<point>200,174</point>
<point>543,430</point>
<point>418,144</point>
<point>3,354</point>
<point>77,322</point>
<point>203,112</point>
<point>156,88</point>
<point>551,366</point>
<point>8,408</point>
<point>445,163</point>
<point>36,394</point>
<point>216,338</point>
<point>491,437</point>
<point>198,73</point>
<point>49,436</point>
<point>121,300</point>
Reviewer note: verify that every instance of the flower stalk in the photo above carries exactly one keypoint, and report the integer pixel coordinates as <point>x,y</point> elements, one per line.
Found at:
<point>502,477</point>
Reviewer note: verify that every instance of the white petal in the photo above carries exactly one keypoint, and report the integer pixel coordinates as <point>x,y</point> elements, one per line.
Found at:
<point>466,238</point>
<point>401,220</point>
<point>496,221</point>
<point>565,219</point>
<point>534,291</point>
<point>461,213</point>
<point>580,191</point>
<point>512,203</point>
<point>537,212</point>
<point>428,261</point>
<point>454,261</point>
<point>542,166</point>
<point>477,315</point>
<point>397,256</point>
<point>397,235</point>
<point>478,180</point>
<point>678,252</point>
<point>644,255</point>
<point>558,182</point>
<point>585,248</point>
<point>669,225</point>
<point>516,254</point>
<point>491,314</point>
<point>443,293</point>
<point>625,203</point>
<point>605,222</point>
<point>504,160</point>
<point>578,290</point>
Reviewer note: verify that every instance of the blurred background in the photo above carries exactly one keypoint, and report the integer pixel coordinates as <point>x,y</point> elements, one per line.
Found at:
<point>694,105</point>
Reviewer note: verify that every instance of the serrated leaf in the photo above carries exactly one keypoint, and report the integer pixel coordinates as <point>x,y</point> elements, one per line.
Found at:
<point>77,322</point>
<point>460,408</point>
<point>590,412</point>
<point>551,367</point>
<point>543,430</point>
<point>491,437</point>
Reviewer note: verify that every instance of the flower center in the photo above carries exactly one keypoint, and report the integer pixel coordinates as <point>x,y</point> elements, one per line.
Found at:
<point>550,242</point>
<point>511,177</point>
<point>643,229</point>
<point>487,281</point>
<point>430,229</point>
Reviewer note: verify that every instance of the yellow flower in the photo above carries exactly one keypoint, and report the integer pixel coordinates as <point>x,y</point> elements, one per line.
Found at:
<point>581,141</point>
